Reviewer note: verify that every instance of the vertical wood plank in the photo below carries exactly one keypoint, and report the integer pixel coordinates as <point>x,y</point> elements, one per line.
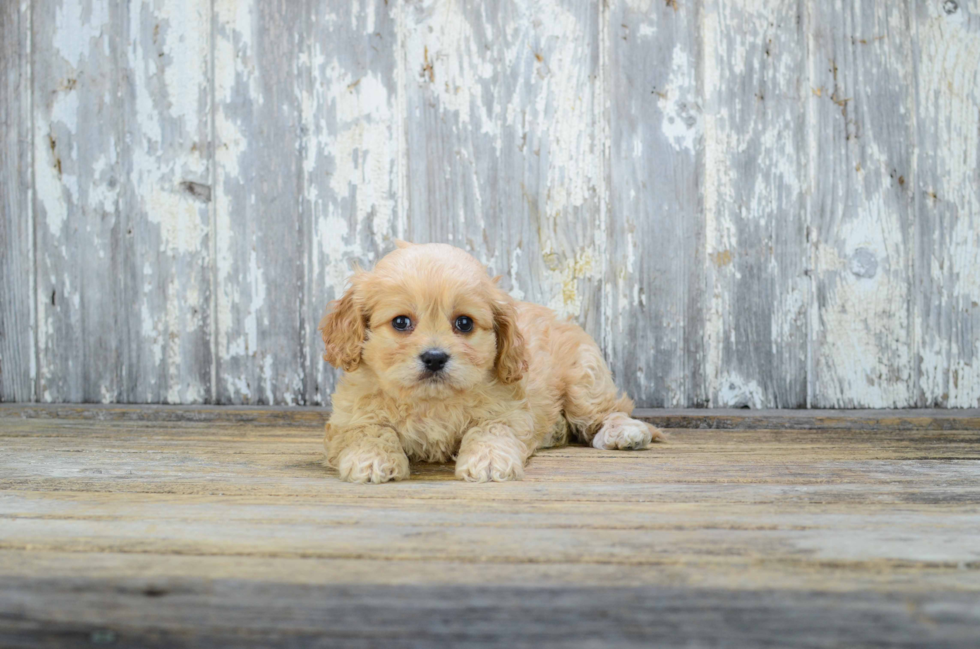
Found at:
<point>861,145</point>
<point>165,191</point>
<point>260,260</point>
<point>755,211</point>
<point>946,50</point>
<point>351,184</point>
<point>83,319</point>
<point>17,326</point>
<point>655,258</point>
<point>503,140</point>
<point>119,158</point>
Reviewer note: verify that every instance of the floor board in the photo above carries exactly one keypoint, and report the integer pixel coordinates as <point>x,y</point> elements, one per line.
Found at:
<point>161,529</point>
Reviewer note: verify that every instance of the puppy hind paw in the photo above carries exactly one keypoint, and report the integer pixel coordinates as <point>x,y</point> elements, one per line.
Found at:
<point>372,467</point>
<point>619,432</point>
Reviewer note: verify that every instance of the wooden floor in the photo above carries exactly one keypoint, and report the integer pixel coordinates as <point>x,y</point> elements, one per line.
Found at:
<point>142,527</point>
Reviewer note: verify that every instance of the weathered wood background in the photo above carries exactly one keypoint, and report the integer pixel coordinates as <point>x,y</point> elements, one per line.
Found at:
<point>764,203</point>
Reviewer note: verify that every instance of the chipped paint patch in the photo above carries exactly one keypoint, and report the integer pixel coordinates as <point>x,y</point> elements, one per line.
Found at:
<point>721,258</point>
<point>77,24</point>
<point>734,391</point>
<point>565,279</point>
<point>678,102</point>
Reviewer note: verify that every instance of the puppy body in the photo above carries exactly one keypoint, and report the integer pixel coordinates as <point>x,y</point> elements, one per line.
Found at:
<point>518,380</point>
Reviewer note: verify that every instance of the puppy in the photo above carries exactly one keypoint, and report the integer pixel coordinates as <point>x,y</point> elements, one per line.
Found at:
<point>440,364</point>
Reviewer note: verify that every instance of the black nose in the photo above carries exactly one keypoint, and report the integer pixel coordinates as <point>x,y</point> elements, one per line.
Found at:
<point>434,359</point>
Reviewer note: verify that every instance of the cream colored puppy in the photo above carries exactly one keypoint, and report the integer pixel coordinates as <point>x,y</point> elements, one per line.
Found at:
<point>440,364</point>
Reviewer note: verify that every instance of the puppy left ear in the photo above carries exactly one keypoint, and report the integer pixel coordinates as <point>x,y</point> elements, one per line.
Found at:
<point>511,363</point>
<point>343,332</point>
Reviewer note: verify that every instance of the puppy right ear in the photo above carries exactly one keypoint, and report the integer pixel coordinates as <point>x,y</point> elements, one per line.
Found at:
<point>343,332</point>
<point>511,362</point>
<point>401,244</point>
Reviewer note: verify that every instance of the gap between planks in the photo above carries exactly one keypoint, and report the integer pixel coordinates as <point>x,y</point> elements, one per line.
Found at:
<point>719,419</point>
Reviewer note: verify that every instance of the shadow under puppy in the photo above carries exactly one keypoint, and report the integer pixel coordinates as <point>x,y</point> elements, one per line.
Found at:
<point>440,363</point>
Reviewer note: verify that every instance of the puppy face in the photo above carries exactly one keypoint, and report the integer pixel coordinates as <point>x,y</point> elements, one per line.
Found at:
<point>428,322</point>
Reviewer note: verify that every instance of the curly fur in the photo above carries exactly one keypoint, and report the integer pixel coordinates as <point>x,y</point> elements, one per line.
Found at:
<point>521,380</point>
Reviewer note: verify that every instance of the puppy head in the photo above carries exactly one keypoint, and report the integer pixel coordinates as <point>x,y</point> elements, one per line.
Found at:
<point>428,321</point>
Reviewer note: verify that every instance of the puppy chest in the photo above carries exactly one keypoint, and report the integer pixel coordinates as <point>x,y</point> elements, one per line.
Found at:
<point>430,439</point>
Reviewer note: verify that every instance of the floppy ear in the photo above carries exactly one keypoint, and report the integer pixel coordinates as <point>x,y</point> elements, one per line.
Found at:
<point>343,332</point>
<point>400,243</point>
<point>510,362</point>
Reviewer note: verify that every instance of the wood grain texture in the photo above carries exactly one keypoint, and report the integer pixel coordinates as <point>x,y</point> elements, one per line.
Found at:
<point>757,289</point>
<point>861,220</point>
<point>17,317</point>
<point>127,614</point>
<point>655,251</point>
<point>261,239</point>
<point>227,533</point>
<point>946,51</point>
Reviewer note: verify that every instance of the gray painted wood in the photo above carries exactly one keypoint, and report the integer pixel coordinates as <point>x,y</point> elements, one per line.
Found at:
<point>754,203</point>
<point>85,313</point>
<point>763,203</point>
<point>17,325</point>
<point>260,238</point>
<point>352,128</point>
<point>503,143</point>
<point>946,53</point>
<point>164,255</point>
<point>121,176</point>
<point>654,329</point>
<point>861,143</point>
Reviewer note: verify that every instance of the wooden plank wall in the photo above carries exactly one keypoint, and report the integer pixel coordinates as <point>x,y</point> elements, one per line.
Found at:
<point>761,203</point>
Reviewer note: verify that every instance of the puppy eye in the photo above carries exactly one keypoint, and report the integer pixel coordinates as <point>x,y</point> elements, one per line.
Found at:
<point>464,324</point>
<point>402,323</point>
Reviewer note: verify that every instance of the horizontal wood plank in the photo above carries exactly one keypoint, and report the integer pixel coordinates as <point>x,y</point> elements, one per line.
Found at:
<point>253,614</point>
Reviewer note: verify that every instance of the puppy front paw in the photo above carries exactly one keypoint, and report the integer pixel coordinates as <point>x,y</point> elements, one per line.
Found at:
<point>619,432</point>
<point>372,465</point>
<point>490,461</point>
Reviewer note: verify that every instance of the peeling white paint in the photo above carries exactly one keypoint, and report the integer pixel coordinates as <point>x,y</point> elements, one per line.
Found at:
<point>678,102</point>
<point>449,60</point>
<point>734,391</point>
<point>233,51</point>
<point>77,24</point>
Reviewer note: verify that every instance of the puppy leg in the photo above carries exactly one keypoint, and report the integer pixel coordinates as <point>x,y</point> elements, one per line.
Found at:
<point>366,453</point>
<point>491,452</point>
<point>594,409</point>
